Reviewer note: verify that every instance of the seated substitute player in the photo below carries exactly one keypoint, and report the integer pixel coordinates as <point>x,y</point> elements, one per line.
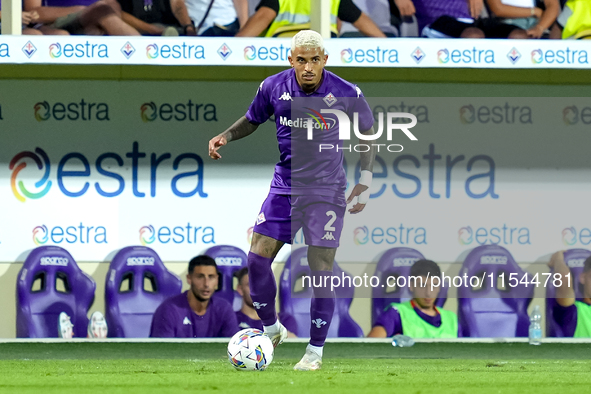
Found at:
<point>195,313</point>
<point>419,317</point>
<point>247,316</point>
<point>574,317</point>
<point>309,194</point>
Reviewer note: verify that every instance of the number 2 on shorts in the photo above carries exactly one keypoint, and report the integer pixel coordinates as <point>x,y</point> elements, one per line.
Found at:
<point>333,217</point>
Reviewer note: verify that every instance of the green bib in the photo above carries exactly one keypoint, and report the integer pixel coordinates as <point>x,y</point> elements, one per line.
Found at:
<point>583,329</point>
<point>580,20</point>
<point>415,327</point>
<point>297,12</point>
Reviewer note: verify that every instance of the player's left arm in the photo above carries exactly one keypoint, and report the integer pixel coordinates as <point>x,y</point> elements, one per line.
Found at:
<point>361,190</point>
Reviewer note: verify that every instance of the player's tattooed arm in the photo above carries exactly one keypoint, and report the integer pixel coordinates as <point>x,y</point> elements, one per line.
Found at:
<point>240,129</point>
<point>361,190</point>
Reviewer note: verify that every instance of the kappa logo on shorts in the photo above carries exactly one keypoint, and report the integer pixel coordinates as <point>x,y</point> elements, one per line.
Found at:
<point>259,305</point>
<point>286,96</point>
<point>319,323</point>
<point>330,99</point>
<point>261,218</point>
<point>328,236</point>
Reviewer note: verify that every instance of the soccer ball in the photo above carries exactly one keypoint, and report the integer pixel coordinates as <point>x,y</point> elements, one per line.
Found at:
<point>250,350</point>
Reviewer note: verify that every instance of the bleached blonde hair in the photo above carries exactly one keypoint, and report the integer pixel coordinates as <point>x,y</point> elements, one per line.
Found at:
<point>307,39</point>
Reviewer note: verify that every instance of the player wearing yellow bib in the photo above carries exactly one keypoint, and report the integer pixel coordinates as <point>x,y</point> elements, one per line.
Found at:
<point>419,317</point>
<point>574,317</point>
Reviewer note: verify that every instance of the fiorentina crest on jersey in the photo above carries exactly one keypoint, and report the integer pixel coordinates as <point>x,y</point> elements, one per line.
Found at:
<point>330,99</point>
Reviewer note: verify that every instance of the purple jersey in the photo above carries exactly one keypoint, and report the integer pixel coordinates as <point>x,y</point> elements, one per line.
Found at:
<point>427,11</point>
<point>174,318</point>
<point>308,171</point>
<point>392,322</point>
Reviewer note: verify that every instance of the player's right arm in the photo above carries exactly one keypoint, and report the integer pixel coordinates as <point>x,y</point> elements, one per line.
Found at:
<point>240,129</point>
<point>565,295</point>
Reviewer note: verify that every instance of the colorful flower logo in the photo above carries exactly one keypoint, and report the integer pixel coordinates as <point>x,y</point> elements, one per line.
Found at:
<point>40,235</point>
<point>55,50</point>
<point>465,235</point>
<point>346,55</point>
<point>443,56</point>
<point>569,236</point>
<point>152,51</point>
<point>149,112</point>
<point>570,115</point>
<point>41,111</point>
<point>250,52</point>
<point>41,159</point>
<point>147,235</point>
<point>467,114</point>
<point>361,235</point>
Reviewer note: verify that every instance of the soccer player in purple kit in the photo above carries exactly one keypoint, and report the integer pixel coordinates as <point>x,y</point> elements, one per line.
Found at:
<point>317,207</point>
<point>196,313</point>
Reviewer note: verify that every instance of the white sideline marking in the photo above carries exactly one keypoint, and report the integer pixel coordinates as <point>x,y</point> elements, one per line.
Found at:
<point>289,340</point>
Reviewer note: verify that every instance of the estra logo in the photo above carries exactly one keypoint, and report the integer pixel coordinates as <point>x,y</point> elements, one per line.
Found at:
<point>466,56</point>
<point>103,165</point>
<point>494,235</point>
<point>570,236</point>
<point>496,114</point>
<point>572,115</point>
<point>390,235</point>
<point>180,112</point>
<point>369,55</point>
<point>561,56</point>
<point>179,51</point>
<point>280,52</point>
<point>73,111</point>
<point>81,234</point>
<point>86,50</point>
<point>188,234</point>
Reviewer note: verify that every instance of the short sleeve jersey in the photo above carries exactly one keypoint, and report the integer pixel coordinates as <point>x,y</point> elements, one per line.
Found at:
<point>306,170</point>
<point>174,318</point>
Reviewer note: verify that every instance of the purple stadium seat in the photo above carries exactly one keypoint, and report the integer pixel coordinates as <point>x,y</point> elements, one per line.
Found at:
<point>229,259</point>
<point>575,259</point>
<point>297,304</point>
<point>493,311</point>
<point>396,262</point>
<point>137,283</point>
<point>50,282</point>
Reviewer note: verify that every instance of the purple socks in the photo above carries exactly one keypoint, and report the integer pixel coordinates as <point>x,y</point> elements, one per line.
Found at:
<point>322,307</point>
<point>262,287</point>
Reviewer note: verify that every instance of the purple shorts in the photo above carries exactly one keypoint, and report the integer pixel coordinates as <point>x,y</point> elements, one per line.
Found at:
<point>321,219</point>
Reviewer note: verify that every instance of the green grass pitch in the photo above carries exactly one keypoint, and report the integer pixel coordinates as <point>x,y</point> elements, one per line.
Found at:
<point>348,368</point>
